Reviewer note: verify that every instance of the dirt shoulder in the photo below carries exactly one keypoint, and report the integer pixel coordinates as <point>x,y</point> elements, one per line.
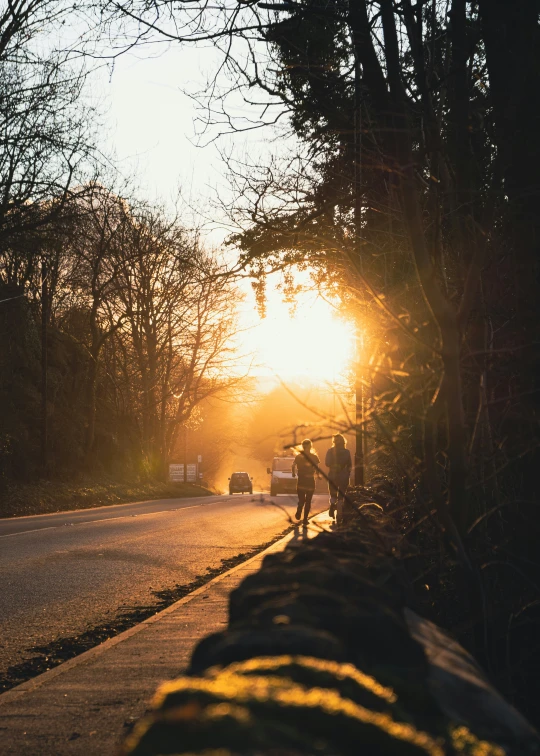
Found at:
<point>45,497</point>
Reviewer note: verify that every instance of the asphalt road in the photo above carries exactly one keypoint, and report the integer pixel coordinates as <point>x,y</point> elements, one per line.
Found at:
<point>64,573</point>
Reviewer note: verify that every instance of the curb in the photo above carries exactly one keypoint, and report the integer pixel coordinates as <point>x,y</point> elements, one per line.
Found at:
<point>37,682</point>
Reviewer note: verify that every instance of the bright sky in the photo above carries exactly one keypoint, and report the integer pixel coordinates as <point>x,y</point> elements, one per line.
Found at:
<point>310,345</point>
<point>152,125</point>
<point>151,128</point>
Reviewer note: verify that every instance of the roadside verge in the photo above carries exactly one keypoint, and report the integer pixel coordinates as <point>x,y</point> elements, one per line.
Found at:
<point>48,497</point>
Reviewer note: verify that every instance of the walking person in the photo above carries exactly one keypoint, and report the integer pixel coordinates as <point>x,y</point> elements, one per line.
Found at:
<point>338,460</point>
<point>305,465</point>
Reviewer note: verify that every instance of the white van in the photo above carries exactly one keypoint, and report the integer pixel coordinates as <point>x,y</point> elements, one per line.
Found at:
<point>282,480</point>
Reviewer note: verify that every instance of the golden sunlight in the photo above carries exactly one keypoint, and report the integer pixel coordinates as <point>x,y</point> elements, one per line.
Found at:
<point>311,343</point>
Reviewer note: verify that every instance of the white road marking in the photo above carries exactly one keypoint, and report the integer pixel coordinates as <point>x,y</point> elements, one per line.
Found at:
<point>110,519</point>
<point>37,530</point>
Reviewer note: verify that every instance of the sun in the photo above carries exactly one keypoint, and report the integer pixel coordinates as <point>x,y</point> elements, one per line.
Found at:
<point>311,343</point>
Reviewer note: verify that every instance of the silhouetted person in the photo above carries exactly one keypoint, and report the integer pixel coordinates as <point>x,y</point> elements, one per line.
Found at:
<point>305,465</point>
<point>338,460</point>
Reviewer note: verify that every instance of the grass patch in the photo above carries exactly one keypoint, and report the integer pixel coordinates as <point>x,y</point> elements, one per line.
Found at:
<point>46,497</point>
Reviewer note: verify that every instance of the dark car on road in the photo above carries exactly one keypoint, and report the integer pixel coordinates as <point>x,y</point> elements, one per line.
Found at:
<point>240,482</point>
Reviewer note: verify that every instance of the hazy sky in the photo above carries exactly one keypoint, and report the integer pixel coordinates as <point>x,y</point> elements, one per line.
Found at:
<point>150,125</point>
<point>150,122</point>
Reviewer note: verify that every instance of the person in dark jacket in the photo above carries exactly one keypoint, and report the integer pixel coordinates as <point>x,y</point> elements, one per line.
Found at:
<point>305,465</point>
<point>338,460</point>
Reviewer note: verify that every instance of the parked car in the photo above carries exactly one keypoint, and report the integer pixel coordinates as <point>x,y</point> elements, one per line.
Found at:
<point>282,480</point>
<point>240,482</point>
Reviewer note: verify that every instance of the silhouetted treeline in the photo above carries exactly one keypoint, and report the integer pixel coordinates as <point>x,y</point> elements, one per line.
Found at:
<point>115,324</point>
<point>414,191</point>
<point>137,326</point>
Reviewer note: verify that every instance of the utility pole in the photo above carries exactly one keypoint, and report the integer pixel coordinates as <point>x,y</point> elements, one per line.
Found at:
<point>359,457</point>
<point>185,453</point>
<point>361,438</point>
<point>44,319</point>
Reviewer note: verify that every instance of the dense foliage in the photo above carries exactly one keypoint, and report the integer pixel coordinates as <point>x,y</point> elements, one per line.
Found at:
<point>413,191</point>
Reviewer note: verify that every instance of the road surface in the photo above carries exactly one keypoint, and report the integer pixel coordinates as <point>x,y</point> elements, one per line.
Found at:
<point>64,573</point>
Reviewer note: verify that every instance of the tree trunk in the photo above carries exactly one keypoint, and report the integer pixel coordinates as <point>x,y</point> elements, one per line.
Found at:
<point>442,311</point>
<point>511,34</point>
<point>91,407</point>
<point>44,323</point>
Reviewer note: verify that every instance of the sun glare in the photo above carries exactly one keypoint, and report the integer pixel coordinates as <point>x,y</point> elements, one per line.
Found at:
<point>312,344</point>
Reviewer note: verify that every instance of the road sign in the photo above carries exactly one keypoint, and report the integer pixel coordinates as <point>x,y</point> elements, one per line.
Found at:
<point>199,458</point>
<point>176,473</point>
<point>191,473</point>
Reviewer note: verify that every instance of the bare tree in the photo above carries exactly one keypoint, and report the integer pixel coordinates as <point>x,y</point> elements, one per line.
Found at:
<point>47,133</point>
<point>92,260</point>
<point>23,20</point>
<point>176,344</point>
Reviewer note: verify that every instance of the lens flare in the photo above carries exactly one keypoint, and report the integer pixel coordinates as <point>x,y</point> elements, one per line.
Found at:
<point>311,343</point>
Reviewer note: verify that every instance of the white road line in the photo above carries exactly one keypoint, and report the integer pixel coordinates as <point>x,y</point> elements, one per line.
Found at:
<point>141,514</point>
<point>24,532</point>
<point>109,519</point>
<point>101,519</point>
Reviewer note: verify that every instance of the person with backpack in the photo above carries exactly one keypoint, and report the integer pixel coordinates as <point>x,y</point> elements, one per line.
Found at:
<point>338,460</point>
<point>305,465</point>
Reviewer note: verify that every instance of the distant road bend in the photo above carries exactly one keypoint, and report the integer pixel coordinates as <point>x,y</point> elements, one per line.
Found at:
<point>64,573</point>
